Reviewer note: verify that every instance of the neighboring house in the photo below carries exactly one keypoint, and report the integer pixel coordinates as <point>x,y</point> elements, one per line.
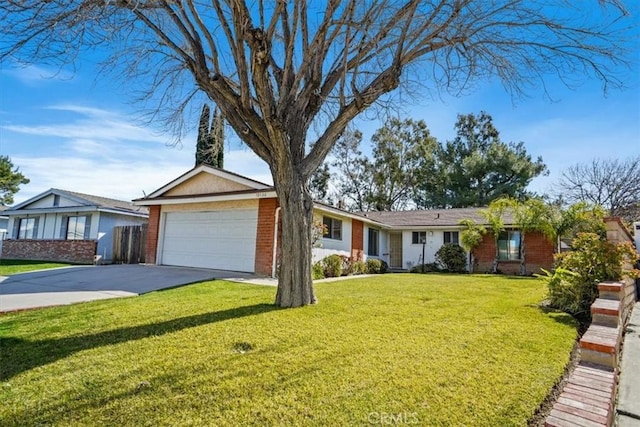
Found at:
<point>213,218</point>
<point>4,221</point>
<point>67,226</point>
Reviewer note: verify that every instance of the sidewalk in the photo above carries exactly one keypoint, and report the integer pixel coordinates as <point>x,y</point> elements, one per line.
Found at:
<point>628,406</point>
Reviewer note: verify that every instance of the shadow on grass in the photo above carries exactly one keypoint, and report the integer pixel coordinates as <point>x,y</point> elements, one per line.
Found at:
<point>562,317</point>
<point>20,355</point>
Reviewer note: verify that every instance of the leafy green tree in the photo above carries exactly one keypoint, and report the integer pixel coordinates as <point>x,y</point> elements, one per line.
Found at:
<point>580,217</point>
<point>10,180</point>
<point>319,183</point>
<point>470,238</point>
<point>210,143</point>
<point>401,148</point>
<point>354,180</point>
<point>476,168</point>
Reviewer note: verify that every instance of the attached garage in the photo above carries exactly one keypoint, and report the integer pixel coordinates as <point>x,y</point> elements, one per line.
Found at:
<point>224,239</point>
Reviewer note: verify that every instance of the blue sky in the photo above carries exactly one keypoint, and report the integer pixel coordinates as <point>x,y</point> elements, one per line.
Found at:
<point>79,132</point>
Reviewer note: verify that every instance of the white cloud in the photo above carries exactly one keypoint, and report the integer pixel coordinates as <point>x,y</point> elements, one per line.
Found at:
<point>33,75</point>
<point>103,153</point>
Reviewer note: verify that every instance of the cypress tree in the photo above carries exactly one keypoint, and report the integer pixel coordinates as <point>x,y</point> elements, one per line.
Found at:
<point>210,142</point>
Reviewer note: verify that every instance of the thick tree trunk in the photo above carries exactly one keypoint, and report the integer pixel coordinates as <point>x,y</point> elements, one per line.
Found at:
<point>295,286</point>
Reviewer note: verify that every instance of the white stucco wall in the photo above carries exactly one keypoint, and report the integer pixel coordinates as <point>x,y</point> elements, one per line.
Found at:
<point>334,246</point>
<point>412,253</point>
<point>383,244</point>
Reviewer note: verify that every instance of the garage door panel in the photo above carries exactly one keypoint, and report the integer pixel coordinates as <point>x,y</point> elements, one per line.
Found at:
<point>215,239</point>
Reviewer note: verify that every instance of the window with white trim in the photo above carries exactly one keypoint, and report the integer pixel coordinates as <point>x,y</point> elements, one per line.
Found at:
<point>418,237</point>
<point>28,228</point>
<point>373,247</point>
<point>452,237</point>
<point>509,245</point>
<point>76,227</point>
<point>333,228</point>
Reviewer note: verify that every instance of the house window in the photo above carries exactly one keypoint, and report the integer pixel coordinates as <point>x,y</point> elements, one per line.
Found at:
<point>27,229</point>
<point>77,227</point>
<point>509,246</point>
<point>418,237</point>
<point>333,227</point>
<point>373,248</point>
<point>452,237</point>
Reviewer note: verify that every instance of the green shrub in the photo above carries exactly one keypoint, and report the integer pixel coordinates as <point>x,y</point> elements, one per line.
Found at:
<point>359,267</point>
<point>347,266</point>
<point>452,258</point>
<point>317,270</point>
<point>333,265</point>
<point>573,286</point>
<point>384,267</point>
<point>430,267</point>
<point>374,266</point>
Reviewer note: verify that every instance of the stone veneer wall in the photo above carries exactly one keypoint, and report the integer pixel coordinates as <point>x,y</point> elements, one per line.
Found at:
<point>76,251</point>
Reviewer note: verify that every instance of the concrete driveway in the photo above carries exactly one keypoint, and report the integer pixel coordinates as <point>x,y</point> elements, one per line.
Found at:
<point>86,283</point>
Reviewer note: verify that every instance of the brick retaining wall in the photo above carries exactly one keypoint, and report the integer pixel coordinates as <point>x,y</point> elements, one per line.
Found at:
<point>76,251</point>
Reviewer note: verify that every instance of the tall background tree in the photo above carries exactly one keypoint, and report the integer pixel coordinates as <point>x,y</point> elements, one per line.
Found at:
<point>401,149</point>
<point>354,172</point>
<point>288,73</point>
<point>476,168</point>
<point>613,184</point>
<point>319,184</point>
<point>10,180</point>
<point>210,143</point>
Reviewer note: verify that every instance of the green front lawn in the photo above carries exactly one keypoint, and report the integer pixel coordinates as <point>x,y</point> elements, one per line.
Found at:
<point>426,349</point>
<point>13,266</point>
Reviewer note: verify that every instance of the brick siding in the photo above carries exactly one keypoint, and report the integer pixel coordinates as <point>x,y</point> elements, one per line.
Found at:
<point>264,236</point>
<point>538,254</point>
<point>357,240</point>
<point>152,234</point>
<point>76,251</point>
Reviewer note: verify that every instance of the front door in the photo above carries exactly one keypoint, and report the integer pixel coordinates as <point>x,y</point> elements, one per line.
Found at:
<point>395,250</point>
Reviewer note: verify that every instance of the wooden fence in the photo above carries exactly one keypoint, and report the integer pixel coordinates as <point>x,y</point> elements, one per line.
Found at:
<point>129,244</point>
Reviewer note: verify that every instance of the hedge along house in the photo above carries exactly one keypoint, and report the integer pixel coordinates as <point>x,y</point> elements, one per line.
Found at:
<point>60,225</point>
<point>212,218</point>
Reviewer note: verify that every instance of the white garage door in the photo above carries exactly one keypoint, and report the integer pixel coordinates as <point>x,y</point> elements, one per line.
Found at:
<point>223,240</point>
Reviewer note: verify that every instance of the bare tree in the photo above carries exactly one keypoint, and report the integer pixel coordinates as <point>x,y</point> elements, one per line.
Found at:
<point>279,69</point>
<point>613,184</point>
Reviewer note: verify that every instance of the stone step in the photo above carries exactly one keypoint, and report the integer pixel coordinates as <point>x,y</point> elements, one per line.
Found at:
<point>610,290</point>
<point>600,345</point>
<point>606,312</point>
<point>586,400</point>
